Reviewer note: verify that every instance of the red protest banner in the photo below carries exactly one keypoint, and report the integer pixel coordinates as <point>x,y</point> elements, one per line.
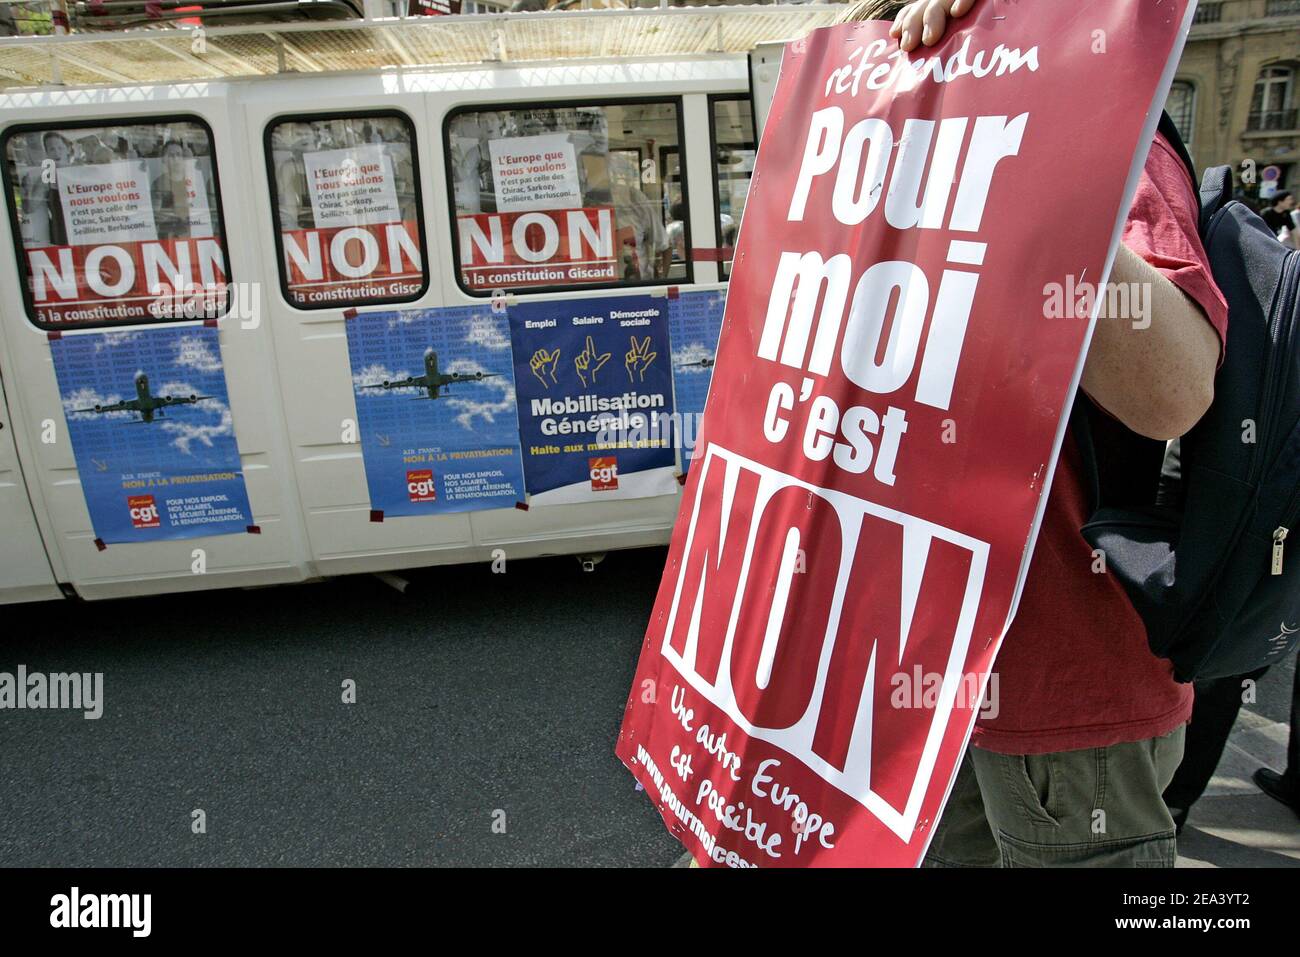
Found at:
<point>127,281</point>
<point>883,423</point>
<point>542,247</point>
<point>362,261</point>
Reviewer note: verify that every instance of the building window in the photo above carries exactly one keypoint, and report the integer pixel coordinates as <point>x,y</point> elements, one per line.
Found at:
<point>1272,107</point>
<point>345,192</point>
<point>557,196</point>
<point>1208,13</point>
<point>1283,8</point>
<point>117,223</point>
<point>733,165</point>
<point>1181,107</point>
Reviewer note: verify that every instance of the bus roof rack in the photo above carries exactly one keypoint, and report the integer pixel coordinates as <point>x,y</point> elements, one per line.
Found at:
<point>186,54</point>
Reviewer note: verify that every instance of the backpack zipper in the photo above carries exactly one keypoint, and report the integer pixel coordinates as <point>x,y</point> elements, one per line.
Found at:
<point>1282,531</point>
<point>1266,401</point>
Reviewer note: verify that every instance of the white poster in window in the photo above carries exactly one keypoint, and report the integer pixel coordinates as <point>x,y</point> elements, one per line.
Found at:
<point>180,199</point>
<point>535,172</point>
<point>106,203</point>
<point>351,187</point>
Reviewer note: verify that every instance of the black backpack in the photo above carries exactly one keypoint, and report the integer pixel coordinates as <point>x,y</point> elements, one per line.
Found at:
<point>1200,545</point>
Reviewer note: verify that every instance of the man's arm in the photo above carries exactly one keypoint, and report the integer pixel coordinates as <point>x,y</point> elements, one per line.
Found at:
<point>1157,380</point>
<point>1292,236</point>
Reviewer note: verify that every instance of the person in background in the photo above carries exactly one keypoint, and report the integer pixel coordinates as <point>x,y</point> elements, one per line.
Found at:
<point>171,193</point>
<point>1218,702</point>
<point>292,140</point>
<point>41,199</point>
<point>398,153</point>
<point>640,221</point>
<point>1279,218</point>
<point>1285,787</point>
<point>677,232</point>
<point>466,156</point>
<point>591,138</point>
<point>1090,723</point>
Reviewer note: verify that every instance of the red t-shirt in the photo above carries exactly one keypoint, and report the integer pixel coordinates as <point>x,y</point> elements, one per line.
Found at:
<point>1074,670</point>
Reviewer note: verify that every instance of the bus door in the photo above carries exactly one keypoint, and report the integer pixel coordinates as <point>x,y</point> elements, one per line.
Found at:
<point>134,346</point>
<point>25,573</point>
<point>340,205</point>
<point>637,140</point>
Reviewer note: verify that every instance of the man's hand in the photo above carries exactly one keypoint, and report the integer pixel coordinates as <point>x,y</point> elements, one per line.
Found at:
<point>925,21</point>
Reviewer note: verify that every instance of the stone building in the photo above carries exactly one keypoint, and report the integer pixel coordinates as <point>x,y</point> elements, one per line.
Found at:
<point>1235,94</point>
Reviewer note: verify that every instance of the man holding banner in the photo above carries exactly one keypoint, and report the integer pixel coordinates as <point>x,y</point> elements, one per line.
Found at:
<point>878,457</point>
<point>1085,707</point>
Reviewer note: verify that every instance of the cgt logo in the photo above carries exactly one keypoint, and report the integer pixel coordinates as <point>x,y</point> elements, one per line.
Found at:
<point>604,473</point>
<point>420,486</point>
<point>144,513</point>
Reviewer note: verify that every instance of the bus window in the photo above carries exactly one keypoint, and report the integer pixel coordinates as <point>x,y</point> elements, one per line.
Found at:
<point>346,194</point>
<point>733,164</point>
<point>118,222</point>
<point>549,197</point>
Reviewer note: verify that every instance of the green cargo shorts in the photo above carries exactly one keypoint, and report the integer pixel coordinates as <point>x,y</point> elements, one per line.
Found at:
<point>1097,807</point>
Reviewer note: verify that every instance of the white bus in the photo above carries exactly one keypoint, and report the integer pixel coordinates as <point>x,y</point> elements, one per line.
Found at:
<point>227,131</point>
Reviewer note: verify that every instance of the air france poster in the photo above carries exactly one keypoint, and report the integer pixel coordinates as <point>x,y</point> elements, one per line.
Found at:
<point>152,433</point>
<point>435,397</point>
<point>694,321</point>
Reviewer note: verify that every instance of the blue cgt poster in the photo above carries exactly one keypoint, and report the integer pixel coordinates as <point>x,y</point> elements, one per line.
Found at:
<point>151,430</point>
<point>435,396</point>
<point>595,398</point>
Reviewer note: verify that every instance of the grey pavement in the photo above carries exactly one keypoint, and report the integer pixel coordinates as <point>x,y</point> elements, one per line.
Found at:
<point>1235,824</point>
<point>480,699</point>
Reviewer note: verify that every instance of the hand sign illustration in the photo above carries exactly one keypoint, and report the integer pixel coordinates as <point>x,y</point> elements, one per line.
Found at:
<point>638,358</point>
<point>543,364</point>
<point>588,361</point>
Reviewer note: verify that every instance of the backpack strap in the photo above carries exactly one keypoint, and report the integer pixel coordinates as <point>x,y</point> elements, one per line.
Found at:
<point>1169,131</point>
<point>1216,185</point>
<point>1121,469</point>
<point>1216,190</point>
<point>1081,428</point>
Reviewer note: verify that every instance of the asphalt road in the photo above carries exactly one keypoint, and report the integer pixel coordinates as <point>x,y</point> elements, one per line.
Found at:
<point>475,694</point>
<point>479,697</point>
